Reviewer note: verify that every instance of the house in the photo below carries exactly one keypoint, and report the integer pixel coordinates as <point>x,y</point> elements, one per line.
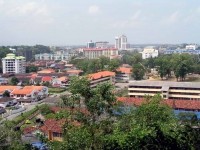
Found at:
<point>47,79</point>
<point>123,74</point>
<point>60,82</point>
<point>187,105</point>
<point>100,77</point>
<point>53,129</point>
<point>42,91</point>
<point>74,72</point>
<point>24,93</point>
<point>7,88</point>
<point>47,71</point>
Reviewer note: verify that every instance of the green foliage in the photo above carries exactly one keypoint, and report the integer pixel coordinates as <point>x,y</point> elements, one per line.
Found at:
<point>6,94</point>
<point>14,81</point>
<point>57,90</point>
<point>114,64</point>
<point>138,71</point>
<point>31,69</point>
<point>47,83</point>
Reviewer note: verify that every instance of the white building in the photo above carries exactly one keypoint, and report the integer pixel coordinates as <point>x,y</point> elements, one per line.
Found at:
<point>121,43</point>
<point>102,44</point>
<point>194,47</point>
<point>13,64</point>
<point>47,56</point>
<point>148,52</point>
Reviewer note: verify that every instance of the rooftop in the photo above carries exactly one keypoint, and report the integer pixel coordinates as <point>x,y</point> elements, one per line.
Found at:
<point>124,70</point>
<point>165,84</point>
<point>99,75</point>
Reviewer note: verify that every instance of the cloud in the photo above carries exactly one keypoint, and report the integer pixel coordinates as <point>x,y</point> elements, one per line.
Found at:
<point>136,15</point>
<point>173,18</point>
<point>93,10</point>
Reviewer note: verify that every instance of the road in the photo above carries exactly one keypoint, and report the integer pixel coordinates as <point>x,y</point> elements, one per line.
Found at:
<point>30,107</point>
<point>121,85</point>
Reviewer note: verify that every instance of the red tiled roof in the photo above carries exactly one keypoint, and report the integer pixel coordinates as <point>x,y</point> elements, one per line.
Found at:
<point>29,129</point>
<point>98,75</point>
<point>176,104</point>
<point>124,70</point>
<point>46,78</point>
<point>55,109</point>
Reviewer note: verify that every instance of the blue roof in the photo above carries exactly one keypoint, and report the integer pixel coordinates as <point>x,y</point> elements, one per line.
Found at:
<point>182,111</point>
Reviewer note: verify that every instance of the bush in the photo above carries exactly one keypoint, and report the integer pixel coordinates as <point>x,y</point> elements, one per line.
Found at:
<point>57,90</point>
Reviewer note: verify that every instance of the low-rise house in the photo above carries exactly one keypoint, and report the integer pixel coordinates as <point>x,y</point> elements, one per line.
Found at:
<point>76,73</point>
<point>24,93</point>
<point>7,88</point>
<point>60,82</point>
<point>42,91</point>
<point>47,71</point>
<point>47,79</point>
<point>100,77</point>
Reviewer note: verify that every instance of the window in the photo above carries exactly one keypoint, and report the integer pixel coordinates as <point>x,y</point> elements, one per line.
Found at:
<point>57,134</point>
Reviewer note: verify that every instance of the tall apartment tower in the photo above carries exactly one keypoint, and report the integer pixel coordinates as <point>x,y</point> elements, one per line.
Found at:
<point>13,64</point>
<point>121,42</point>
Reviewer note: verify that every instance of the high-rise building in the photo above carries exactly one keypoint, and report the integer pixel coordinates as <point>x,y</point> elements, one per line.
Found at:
<point>13,64</point>
<point>90,44</point>
<point>121,43</point>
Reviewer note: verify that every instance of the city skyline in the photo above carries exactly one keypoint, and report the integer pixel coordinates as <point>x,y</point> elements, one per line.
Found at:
<point>28,22</point>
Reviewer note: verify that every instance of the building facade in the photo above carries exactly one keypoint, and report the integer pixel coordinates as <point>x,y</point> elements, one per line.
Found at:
<point>13,64</point>
<point>194,47</point>
<point>121,43</point>
<point>123,75</point>
<point>180,51</point>
<point>101,77</point>
<point>102,44</point>
<point>90,44</point>
<point>47,56</point>
<point>148,52</point>
<point>92,53</point>
<point>168,90</point>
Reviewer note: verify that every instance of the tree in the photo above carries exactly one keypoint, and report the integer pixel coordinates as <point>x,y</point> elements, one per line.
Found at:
<point>103,60</point>
<point>14,81</point>
<point>114,64</point>
<point>138,71</point>
<point>6,94</point>
<point>163,66</point>
<point>31,69</point>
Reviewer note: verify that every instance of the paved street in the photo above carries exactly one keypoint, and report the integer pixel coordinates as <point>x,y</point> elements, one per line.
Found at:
<point>121,85</point>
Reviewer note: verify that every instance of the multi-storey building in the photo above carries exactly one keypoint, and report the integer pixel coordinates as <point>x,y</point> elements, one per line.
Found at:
<point>92,53</point>
<point>47,56</point>
<point>194,47</point>
<point>102,44</point>
<point>149,51</point>
<point>123,74</point>
<point>121,42</point>
<point>100,77</point>
<point>90,44</point>
<point>168,90</point>
<point>13,64</point>
<point>180,51</point>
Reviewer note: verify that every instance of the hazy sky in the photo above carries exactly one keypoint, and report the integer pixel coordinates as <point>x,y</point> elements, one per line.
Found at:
<point>75,22</point>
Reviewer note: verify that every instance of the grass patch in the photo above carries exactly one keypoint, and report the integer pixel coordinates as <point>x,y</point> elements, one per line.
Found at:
<point>57,90</point>
<point>29,124</point>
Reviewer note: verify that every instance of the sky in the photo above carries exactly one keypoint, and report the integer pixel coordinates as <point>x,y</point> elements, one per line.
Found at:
<point>76,22</point>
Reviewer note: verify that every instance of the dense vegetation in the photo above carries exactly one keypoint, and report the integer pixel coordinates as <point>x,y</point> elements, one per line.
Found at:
<point>95,65</point>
